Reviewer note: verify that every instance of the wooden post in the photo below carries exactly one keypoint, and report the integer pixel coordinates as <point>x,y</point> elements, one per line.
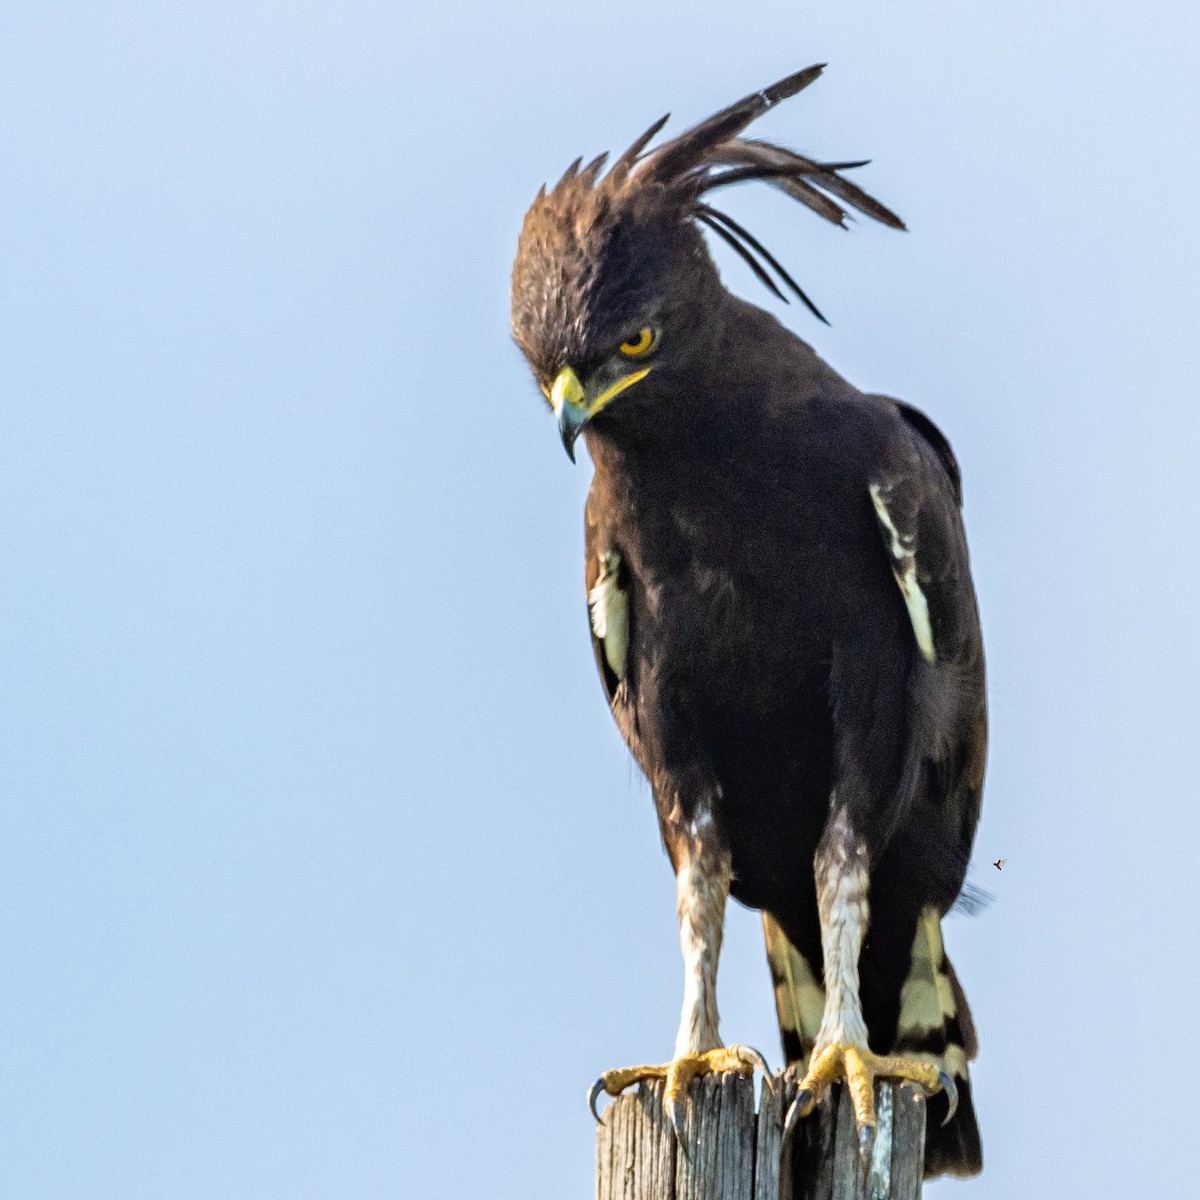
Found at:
<point>733,1153</point>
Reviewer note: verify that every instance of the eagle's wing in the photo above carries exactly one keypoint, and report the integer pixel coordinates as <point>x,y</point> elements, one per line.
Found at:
<point>908,836</point>
<point>917,497</point>
<point>916,494</point>
<point>608,601</point>
<point>608,614</point>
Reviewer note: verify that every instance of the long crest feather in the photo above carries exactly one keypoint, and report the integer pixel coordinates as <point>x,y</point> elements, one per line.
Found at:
<point>796,175</point>
<point>712,155</point>
<point>754,246</point>
<point>785,178</point>
<point>707,217</point>
<point>680,154</point>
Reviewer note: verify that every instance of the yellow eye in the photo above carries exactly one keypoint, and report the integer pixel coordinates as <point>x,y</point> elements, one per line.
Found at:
<point>641,345</point>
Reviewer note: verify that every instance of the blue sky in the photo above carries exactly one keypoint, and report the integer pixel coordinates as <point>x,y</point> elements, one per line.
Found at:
<point>321,861</point>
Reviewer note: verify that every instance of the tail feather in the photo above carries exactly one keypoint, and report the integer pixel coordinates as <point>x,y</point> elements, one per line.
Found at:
<point>799,997</point>
<point>953,1149</point>
<point>934,1024</point>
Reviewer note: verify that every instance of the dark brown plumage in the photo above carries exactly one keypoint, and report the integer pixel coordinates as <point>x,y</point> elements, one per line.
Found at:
<point>780,600</point>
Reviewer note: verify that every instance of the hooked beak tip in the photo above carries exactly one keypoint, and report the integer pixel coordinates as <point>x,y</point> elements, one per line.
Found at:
<point>570,425</point>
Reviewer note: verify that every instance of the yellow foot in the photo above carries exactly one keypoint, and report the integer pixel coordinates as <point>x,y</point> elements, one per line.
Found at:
<point>859,1068</point>
<point>678,1075</point>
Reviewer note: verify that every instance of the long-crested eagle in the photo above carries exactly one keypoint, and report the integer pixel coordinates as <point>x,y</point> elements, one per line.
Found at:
<point>782,615</point>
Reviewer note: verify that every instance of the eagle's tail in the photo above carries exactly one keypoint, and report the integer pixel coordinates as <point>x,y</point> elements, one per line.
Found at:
<point>935,1023</point>
<point>799,997</point>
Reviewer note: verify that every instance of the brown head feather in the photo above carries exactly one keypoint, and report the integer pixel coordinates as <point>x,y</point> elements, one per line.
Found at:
<point>624,164</point>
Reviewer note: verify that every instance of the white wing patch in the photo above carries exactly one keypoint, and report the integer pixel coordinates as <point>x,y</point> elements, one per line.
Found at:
<point>904,568</point>
<point>609,608</point>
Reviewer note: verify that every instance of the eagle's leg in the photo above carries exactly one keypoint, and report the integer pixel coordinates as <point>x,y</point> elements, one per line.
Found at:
<point>702,887</point>
<point>841,1050</point>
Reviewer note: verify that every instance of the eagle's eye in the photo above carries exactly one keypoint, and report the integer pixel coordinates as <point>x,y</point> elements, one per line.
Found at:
<point>641,345</point>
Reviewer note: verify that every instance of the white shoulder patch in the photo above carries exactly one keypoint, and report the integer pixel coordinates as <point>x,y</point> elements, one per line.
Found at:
<point>904,568</point>
<point>609,608</point>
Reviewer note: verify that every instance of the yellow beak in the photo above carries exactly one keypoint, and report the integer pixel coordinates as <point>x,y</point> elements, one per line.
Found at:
<point>574,409</point>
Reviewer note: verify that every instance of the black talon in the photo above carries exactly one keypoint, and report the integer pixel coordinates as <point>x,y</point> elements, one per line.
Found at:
<point>866,1147</point>
<point>948,1086</point>
<point>675,1111</point>
<point>800,1109</point>
<point>758,1059</point>
<point>791,1120</point>
<point>594,1095</point>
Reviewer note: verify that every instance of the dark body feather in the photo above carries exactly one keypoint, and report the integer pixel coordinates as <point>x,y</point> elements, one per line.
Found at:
<point>768,638</point>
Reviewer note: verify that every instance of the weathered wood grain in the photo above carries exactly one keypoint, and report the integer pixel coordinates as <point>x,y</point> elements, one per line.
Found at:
<point>717,1155</point>
<point>908,1143</point>
<point>732,1152</point>
<point>636,1148</point>
<point>772,1108</point>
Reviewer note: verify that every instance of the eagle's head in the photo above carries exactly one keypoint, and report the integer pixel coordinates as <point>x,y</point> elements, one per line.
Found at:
<point>613,281</point>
